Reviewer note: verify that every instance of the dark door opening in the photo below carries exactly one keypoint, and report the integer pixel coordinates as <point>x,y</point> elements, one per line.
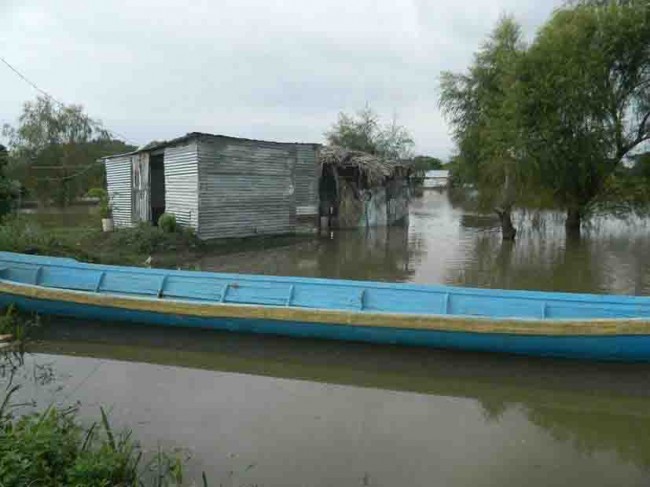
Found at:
<point>328,190</point>
<point>157,174</point>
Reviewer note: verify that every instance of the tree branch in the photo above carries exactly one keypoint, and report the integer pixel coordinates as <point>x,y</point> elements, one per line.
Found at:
<point>642,136</point>
<point>644,121</point>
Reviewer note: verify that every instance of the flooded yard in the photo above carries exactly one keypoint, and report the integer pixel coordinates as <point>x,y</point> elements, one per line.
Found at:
<point>273,411</point>
<point>446,244</point>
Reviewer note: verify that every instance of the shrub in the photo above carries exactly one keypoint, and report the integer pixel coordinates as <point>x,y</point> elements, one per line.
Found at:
<point>167,223</point>
<point>96,193</point>
<point>52,448</point>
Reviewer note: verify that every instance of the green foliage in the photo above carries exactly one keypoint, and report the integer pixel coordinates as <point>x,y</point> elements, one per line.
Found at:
<point>20,235</point>
<point>148,239</point>
<point>52,448</point>
<point>627,191</point>
<point>86,241</point>
<point>422,164</point>
<point>105,207</point>
<point>586,97</point>
<point>167,223</point>
<point>17,324</point>
<point>481,106</point>
<point>9,189</point>
<point>365,132</point>
<point>552,122</point>
<point>96,193</point>
<point>54,151</point>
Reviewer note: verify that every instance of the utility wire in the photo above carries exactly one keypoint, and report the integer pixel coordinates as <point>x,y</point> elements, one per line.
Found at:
<point>50,97</point>
<point>85,169</point>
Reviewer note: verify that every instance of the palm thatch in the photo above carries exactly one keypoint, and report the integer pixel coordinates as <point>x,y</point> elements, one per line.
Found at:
<point>376,168</point>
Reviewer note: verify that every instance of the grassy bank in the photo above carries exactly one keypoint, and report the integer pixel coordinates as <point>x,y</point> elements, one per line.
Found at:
<point>54,447</point>
<point>83,239</point>
<point>80,236</point>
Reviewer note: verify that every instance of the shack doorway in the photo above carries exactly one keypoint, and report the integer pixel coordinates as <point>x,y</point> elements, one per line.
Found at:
<point>157,168</point>
<point>328,193</point>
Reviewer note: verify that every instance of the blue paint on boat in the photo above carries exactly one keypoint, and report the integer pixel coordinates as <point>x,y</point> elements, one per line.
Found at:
<point>614,348</point>
<point>319,294</point>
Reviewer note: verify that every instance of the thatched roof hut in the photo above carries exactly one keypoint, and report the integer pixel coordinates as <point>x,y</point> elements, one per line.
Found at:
<point>358,189</point>
<point>375,168</point>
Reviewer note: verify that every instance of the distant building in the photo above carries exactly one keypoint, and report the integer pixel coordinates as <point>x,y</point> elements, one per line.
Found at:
<point>231,187</point>
<point>437,178</point>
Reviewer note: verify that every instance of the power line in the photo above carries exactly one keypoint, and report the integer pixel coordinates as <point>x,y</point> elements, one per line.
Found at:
<point>84,170</point>
<point>50,97</point>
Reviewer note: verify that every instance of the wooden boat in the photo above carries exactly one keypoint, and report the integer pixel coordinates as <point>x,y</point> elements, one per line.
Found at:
<point>600,327</point>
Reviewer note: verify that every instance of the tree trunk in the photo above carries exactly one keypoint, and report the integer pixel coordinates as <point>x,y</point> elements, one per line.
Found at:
<point>508,230</point>
<point>572,223</point>
<point>504,211</point>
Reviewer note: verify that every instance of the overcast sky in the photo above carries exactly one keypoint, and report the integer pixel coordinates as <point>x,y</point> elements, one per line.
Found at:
<point>265,69</point>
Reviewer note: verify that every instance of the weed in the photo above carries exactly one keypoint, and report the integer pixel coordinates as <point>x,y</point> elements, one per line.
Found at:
<point>52,448</point>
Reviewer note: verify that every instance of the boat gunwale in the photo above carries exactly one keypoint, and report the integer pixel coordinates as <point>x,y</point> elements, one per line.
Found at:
<point>423,322</point>
<point>540,296</point>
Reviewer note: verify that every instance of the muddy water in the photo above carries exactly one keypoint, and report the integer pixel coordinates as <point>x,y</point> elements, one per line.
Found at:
<point>444,244</point>
<point>272,411</point>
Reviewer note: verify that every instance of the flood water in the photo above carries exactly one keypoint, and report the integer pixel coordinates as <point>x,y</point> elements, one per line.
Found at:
<point>445,244</point>
<point>274,411</point>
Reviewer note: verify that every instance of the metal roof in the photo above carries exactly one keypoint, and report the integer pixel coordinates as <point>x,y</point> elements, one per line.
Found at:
<point>150,147</point>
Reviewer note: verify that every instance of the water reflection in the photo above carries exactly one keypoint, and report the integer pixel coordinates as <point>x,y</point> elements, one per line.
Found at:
<point>300,409</point>
<point>278,411</point>
<point>446,243</point>
<point>384,253</point>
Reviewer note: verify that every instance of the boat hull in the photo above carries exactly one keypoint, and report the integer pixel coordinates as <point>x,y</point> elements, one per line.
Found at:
<point>597,327</point>
<point>613,347</point>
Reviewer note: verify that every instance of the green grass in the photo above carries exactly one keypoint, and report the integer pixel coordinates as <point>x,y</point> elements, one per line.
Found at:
<point>17,324</point>
<point>78,234</point>
<point>52,448</point>
<point>81,237</point>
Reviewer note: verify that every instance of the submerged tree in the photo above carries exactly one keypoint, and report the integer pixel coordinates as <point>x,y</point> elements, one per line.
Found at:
<point>364,132</point>
<point>586,99</point>
<point>481,106</point>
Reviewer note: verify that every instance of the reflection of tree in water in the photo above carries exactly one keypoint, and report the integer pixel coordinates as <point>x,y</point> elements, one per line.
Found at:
<point>625,434</point>
<point>610,258</point>
<point>596,407</point>
<point>609,427</point>
<point>590,432</point>
<point>528,264</point>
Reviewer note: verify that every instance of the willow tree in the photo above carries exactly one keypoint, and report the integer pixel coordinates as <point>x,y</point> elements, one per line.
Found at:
<point>586,99</point>
<point>54,150</point>
<point>481,106</point>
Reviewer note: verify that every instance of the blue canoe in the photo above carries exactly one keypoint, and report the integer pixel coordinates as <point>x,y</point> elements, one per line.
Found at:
<point>599,327</point>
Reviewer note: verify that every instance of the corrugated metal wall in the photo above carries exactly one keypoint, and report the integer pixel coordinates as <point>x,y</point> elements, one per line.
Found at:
<point>224,187</point>
<point>182,182</point>
<point>246,188</point>
<point>306,176</point>
<point>118,181</point>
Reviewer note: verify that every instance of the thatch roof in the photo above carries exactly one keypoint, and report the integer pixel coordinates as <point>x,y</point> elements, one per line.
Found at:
<point>375,167</point>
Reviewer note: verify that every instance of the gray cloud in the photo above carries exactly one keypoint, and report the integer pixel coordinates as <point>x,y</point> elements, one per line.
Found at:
<point>277,70</point>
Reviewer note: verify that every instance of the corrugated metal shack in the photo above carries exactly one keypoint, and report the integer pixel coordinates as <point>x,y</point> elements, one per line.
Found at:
<point>231,187</point>
<point>362,190</point>
<point>220,186</point>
